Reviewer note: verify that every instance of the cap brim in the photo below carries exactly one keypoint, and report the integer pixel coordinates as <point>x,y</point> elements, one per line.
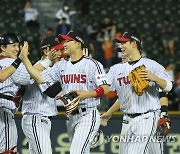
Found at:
<point>66,37</point>
<point>59,46</point>
<point>121,39</point>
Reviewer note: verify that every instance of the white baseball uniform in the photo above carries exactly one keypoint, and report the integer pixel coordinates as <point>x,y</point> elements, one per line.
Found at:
<point>8,130</point>
<point>37,110</point>
<point>84,74</point>
<point>141,113</point>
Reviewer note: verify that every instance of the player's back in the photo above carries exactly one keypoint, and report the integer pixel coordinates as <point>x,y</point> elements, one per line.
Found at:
<point>35,102</point>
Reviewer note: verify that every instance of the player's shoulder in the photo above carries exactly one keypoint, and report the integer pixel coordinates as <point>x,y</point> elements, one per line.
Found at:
<point>91,60</point>
<point>6,61</point>
<point>149,61</point>
<point>151,64</point>
<point>62,61</point>
<point>118,66</point>
<point>122,64</point>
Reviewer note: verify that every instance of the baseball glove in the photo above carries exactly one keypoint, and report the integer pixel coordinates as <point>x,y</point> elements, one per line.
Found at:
<point>70,101</point>
<point>163,126</point>
<point>17,99</point>
<point>137,82</point>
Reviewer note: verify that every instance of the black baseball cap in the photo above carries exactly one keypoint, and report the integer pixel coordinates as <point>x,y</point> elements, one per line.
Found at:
<point>9,38</point>
<point>74,35</point>
<point>127,36</point>
<point>52,42</point>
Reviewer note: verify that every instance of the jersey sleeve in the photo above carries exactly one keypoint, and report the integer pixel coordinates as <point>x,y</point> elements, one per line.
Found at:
<point>50,76</point>
<point>160,72</point>
<point>97,73</point>
<point>110,78</point>
<point>21,75</point>
<point>5,63</point>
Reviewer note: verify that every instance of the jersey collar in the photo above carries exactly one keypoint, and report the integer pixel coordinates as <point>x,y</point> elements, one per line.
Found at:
<point>74,62</point>
<point>133,62</point>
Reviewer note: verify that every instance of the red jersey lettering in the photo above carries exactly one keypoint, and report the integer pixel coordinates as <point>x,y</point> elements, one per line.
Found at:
<point>73,78</point>
<point>124,80</point>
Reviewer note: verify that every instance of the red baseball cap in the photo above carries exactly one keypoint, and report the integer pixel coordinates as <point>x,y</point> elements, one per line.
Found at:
<point>60,46</point>
<point>127,36</point>
<point>74,35</point>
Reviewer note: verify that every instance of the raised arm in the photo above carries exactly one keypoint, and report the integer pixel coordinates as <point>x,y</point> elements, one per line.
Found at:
<point>8,71</point>
<point>35,74</point>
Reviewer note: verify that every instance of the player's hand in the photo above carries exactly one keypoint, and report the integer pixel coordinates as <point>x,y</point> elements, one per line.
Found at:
<point>52,54</point>
<point>163,126</point>
<point>57,56</point>
<point>147,75</point>
<point>105,118</point>
<point>83,94</point>
<point>24,51</point>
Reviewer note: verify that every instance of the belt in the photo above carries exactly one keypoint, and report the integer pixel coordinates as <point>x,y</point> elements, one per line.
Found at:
<point>49,117</point>
<point>77,111</point>
<point>136,114</point>
<point>10,98</point>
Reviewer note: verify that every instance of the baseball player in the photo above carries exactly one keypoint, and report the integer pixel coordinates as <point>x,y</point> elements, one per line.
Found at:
<point>154,148</point>
<point>84,75</point>
<point>38,108</point>
<point>141,113</point>
<point>8,51</point>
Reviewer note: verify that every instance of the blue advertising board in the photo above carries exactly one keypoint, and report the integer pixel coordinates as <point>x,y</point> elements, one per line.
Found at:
<point>110,140</point>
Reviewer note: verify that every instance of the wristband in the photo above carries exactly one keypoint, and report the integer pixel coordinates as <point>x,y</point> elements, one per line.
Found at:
<point>99,91</point>
<point>46,62</point>
<point>16,63</point>
<point>164,110</point>
<point>168,86</point>
<point>162,94</point>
